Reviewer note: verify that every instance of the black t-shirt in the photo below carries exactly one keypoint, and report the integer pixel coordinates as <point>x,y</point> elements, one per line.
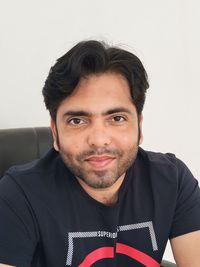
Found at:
<point>48,220</point>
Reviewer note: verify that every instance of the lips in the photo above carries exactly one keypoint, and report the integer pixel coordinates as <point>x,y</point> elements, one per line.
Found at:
<point>99,162</point>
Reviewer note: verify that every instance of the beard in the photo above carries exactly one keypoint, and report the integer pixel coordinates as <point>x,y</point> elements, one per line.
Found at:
<point>105,178</point>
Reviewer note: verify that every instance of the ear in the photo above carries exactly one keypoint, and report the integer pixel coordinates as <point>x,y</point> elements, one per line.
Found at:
<point>140,127</point>
<point>55,135</point>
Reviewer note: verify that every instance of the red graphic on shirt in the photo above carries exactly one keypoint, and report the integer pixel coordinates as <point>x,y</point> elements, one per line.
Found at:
<point>108,252</point>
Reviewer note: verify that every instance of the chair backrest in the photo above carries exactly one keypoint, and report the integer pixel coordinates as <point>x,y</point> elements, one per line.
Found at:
<point>19,146</point>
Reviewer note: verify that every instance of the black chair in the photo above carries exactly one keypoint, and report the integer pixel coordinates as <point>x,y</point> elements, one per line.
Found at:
<point>19,146</point>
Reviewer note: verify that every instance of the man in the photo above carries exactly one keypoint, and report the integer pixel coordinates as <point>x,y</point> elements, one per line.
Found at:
<point>97,198</point>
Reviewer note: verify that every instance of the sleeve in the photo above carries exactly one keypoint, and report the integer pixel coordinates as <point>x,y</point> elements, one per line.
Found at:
<point>187,212</point>
<point>17,230</point>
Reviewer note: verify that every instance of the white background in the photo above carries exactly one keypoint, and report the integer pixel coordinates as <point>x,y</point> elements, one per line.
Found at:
<point>164,34</point>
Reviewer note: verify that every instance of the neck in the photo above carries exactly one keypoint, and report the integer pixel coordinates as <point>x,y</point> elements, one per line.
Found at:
<point>107,196</point>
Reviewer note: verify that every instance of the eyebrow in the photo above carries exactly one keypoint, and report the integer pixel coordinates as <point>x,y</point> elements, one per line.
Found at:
<point>89,114</point>
<point>117,110</point>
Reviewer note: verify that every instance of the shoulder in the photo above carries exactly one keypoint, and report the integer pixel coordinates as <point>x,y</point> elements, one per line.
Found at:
<point>35,168</point>
<point>157,158</point>
<point>167,166</point>
<point>161,160</point>
<point>45,163</point>
<point>33,176</point>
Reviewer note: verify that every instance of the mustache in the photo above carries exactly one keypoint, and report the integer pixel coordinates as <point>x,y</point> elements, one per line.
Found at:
<point>98,151</point>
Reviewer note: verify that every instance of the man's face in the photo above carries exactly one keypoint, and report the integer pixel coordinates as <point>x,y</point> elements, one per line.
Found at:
<point>96,131</point>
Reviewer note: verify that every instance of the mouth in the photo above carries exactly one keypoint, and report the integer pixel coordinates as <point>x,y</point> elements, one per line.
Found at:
<point>99,162</point>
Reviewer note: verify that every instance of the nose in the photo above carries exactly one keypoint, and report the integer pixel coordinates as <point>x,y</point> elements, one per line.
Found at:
<point>99,135</point>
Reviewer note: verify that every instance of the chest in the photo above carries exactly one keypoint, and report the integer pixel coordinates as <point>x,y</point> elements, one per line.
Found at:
<point>79,232</point>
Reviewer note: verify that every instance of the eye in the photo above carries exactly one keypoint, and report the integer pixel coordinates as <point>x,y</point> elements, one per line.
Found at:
<point>118,118</point>
<point>76,121</point>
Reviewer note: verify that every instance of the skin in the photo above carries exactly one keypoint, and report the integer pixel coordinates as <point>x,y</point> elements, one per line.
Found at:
<point>107,140</point>
<point>96,133</point>
<point>186,249</point>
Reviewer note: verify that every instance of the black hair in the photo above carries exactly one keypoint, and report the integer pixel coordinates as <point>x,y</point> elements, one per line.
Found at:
<point>93,57</point>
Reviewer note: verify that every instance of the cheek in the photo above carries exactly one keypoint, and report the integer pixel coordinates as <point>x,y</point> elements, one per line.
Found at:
<point>127,138</point>
<point>70,145</point>
<point>128,135</point>
<point>128,141</point>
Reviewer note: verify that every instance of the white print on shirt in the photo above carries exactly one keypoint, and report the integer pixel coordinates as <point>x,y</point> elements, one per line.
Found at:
<point>73,235</point>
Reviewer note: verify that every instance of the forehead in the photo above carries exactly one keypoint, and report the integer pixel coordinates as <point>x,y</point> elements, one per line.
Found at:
<point>97,92</point>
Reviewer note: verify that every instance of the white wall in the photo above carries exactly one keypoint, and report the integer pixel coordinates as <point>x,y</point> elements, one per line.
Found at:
<point>164,34</point>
